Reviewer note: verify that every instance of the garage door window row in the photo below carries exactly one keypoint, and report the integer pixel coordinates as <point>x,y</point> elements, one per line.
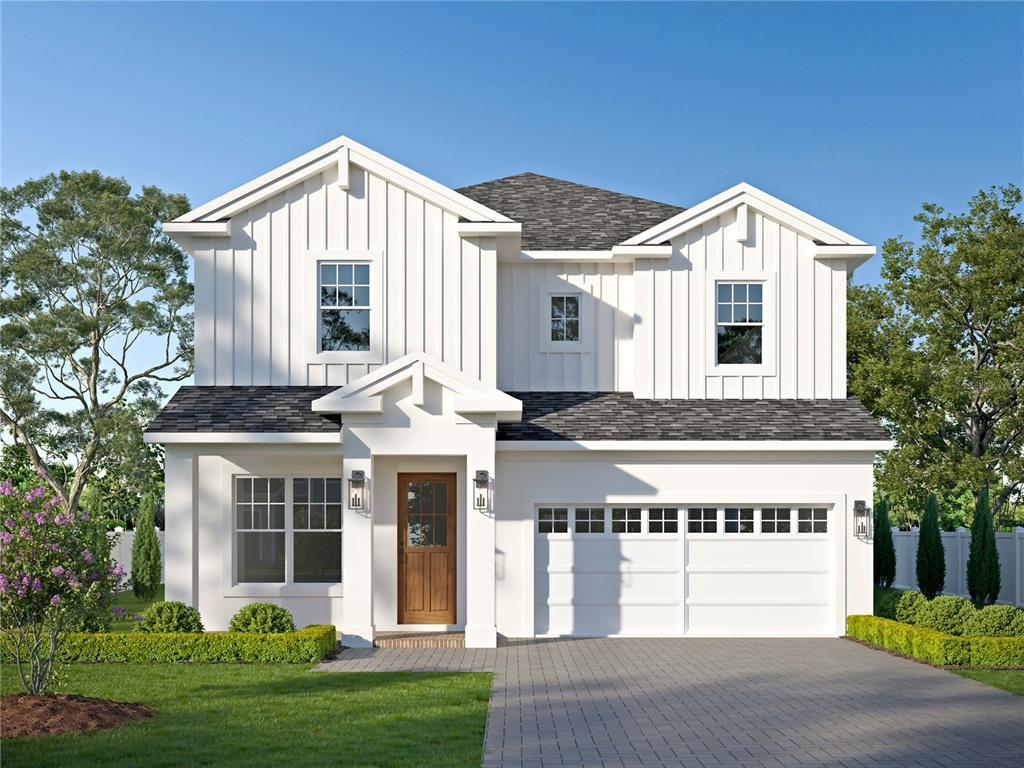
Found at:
<point>727,520</point>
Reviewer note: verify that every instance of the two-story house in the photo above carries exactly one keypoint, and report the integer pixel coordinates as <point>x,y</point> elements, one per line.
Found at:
<point>526,407</point>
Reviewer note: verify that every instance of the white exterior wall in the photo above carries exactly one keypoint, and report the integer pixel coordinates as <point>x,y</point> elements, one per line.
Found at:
<point>256,291</point>
<point>652,323</point>
<point>525,481</point>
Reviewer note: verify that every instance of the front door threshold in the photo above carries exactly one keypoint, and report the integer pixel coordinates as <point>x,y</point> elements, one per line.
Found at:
<point>420,640</point>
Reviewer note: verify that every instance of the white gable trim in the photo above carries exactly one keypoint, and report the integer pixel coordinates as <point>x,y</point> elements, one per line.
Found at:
<point>364,394</point>
<point>340,151</point>
<point>743,196</point>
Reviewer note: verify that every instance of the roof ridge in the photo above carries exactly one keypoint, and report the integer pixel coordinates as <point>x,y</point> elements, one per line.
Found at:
<point>534,174</point>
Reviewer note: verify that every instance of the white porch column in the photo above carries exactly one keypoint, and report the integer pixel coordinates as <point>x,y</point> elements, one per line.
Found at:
<point>357,550</point>
<point>480,625</point>
<point>180,552</point>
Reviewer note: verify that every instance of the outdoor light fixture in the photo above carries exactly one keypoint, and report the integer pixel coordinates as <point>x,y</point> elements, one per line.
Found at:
<point>482,490</point>
<point>357,490</point>
<point>862,518</point>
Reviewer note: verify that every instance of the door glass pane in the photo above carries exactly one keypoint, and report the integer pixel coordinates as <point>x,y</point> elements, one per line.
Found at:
<point>427,520</point>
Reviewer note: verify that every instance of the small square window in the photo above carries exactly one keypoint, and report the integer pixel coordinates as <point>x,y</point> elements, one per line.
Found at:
<point>565,318</point>
<point>553,520</point>
<point>662,520</point>
<point>739,520</point>
<point>812,520</point>
<point>775,520</point>
<point>702,520</point>
<point>589,520</point>
<point>626,520</point>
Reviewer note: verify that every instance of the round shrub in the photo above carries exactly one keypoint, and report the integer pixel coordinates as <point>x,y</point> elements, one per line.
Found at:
<point>909,606</point>
<point>996,621</point>
<point>170,616</point>
<point>946,613</point>
<point>262,617</point>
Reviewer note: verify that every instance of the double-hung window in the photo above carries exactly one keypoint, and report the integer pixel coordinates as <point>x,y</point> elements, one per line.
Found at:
<point>344,316</point>
<point>288,530</point>
<point>565,318</point>
<point>739,323</point>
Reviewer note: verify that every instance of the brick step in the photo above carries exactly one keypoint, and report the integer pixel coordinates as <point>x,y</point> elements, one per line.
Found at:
<point>420,640</point>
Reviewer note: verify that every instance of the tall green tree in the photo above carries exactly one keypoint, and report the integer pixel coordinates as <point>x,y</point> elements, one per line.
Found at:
<point>936,351</point>
<point>885,550</point>
<point>95,301</point>
<point>983,560</point>
<point>146,552</point>
<point>931,557</point>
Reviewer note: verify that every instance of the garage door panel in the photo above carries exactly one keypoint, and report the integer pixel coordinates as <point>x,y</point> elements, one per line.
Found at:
<point>602,620</point>
<point>760,585</point>
<point>606,553</point>
<point>760,620</point>
<point>595,587</point>
<point>764,551</point>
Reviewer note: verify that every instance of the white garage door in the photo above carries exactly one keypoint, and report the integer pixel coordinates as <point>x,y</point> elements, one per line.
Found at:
<point>663,571</point>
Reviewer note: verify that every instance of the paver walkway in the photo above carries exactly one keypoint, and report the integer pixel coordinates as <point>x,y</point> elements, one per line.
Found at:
<point>715,703</point>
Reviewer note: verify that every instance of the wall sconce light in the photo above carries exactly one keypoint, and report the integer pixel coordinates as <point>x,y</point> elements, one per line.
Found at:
<point>862,519</point>
<point>482,490</point>
<point>357,490</point>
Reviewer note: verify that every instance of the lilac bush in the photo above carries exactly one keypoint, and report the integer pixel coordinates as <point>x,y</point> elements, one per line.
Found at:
<point>55,577</point>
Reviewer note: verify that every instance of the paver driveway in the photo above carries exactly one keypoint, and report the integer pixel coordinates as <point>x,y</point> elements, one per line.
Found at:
<point>704,702</point>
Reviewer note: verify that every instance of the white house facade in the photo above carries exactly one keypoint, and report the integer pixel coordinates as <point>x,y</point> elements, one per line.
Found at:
<point>522,408</point>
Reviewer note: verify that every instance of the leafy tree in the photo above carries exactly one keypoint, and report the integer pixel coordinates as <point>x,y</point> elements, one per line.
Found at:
<point>885,550</point>
<point>86,275</point>
<point>146,553</point>
<point>937,352</point>
<point>983,560</point>
<point>931,557</point>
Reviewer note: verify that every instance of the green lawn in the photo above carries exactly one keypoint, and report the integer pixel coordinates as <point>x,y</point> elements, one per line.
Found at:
<point>269,715</point>
<point>133,605</point>
<point>1011,680</point>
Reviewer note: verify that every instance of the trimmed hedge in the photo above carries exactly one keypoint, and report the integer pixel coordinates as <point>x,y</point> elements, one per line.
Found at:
<point>308,645</point>
<point>937,647</point>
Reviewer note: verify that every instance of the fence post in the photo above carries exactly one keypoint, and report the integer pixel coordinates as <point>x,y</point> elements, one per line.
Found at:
<point>1018,540</point>
<point>961,562</point>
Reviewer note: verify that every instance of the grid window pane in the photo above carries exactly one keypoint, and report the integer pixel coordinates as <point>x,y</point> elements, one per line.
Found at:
<point>739,520</point>
<point>553,520</point>
<point>739,319</point>
<point>812,520</point>
<point>317,557</point>
<point>626,520</point>
<point>702,520</point>
<point>775,520</point>
<point>589,520</point>
<point>565,313</point>
<point>663,520</point>
<point>260,556</point>
<point>259,526</point>
<point>344,307</point>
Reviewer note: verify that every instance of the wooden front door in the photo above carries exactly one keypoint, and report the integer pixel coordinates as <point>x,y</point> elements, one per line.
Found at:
<point>426,548</point>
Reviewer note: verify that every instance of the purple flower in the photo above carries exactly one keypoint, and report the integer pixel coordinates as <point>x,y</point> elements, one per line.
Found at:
<point>57,570</point>
<point>5,537</point>
<point>26,514</point>
<point>117,570</point>
<point>7,488</point>
<point>73,581</point>
<point>3,583</point>
<point>40,518</point>
<point>24,533</point>
<point>137,617</point>
<point>87,555</point>
<point>36,585</point>
<point>9,524</point>
<point>119,611</point>
<point>55,600</point>
<point>84,515</point>
<point>36,493</point>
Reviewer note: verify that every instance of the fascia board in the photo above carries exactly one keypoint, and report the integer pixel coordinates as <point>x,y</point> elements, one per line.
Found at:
<point>198,228</point>
<point>247,438</point>
<point>488,229</point>
<point>766,446</point>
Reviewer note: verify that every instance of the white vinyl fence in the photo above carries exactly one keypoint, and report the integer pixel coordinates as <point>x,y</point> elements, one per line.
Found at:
<point>121,551</point>
<point>957,545</point>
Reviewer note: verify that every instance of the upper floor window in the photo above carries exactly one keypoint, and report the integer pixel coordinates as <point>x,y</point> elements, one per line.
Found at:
<point>565,317</point>
<point>344,307</point>
<point>740,323</point>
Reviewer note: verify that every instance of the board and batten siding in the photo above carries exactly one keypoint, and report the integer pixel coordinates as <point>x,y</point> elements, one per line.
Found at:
<point>256,291</point>
<point>651,323</point>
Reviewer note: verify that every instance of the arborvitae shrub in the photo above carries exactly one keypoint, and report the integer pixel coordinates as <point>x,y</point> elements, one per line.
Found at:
<point>146,552</point>
<point>931,558</point>
<point>983,560</point>
<point>885,550</point>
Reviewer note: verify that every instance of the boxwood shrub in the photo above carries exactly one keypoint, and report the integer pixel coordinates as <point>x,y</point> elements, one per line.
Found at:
<point>886,599</point>
<point>262,617</point>
<point>946,613</point>
<point>996,621</point>
<point>909,606</point>
<point>170,616</point>
<point>937,647</point>
<point>308,645</point>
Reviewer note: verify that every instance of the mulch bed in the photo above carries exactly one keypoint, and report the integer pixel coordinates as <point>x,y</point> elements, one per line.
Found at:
<point>22,714</point>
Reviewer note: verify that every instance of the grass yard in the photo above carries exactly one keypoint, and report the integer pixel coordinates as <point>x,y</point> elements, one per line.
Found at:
<point>132,605</point>
<point>1011,680</point>
<point>268,715</point>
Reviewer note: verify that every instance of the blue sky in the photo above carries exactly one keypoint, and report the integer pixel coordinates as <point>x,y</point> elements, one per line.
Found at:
<point>854,112</point>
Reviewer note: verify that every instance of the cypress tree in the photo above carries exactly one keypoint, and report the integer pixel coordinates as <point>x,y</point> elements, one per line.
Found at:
<point>146,552</point>
<point>931,558</point>
<point>983,561</point>
<point>885,550</point>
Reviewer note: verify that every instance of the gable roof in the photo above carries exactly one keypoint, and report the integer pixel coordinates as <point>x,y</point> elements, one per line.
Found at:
<point>244,409</point>
<point>559,215</point>
<point>339,152</point>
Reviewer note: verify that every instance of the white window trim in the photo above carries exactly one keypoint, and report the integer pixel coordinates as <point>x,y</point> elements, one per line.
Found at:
<point>770,323</point>
<point>231,586</point>
<point>375,354</point>
<point>563,287</point>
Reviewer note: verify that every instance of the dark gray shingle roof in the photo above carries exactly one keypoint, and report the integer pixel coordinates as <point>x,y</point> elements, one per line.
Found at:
<point>244,409</point>
<point>561,215</point>
<point>620,416</point>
